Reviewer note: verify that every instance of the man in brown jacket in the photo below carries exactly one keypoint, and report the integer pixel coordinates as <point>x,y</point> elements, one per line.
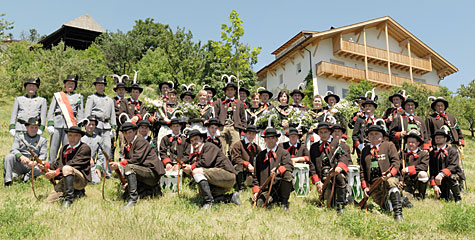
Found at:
<point>133,107</point>
<point>440,118</point>
<point>408,120</point>
<point>326,156</point>
<point>273,159</point>
<point>174,146</point>
<point>362,123</point>
<point>243,155</point>
<point>231,113</point>
<point>444,167</point>
<point>380,159</point>
<point>298,151</point>
<point>211,170</point>
<point>414,168</point>
<point>72,168</point>
<point>142,168</point>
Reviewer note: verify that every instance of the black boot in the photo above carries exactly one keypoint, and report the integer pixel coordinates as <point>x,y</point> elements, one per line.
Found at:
<point>456,193</point>
<point>406,203</point>
<point>422,187</point>
<point>68,194</point>
<point>340,199</point>
<point>234,198</point>
<point>395,198</point>
<point>8,184</point>
<point>132,187</point>
<point>206,193</point>
<point>240,181</point>
<point>284,193</point>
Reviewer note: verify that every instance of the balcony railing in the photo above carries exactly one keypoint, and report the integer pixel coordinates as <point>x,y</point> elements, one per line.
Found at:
<point>377,55</point>
<point>382,80</point>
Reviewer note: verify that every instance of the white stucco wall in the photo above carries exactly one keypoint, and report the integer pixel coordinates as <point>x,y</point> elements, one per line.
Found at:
<point>325,53</point>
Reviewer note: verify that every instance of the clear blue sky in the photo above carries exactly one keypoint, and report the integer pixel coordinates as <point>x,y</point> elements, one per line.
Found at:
<point>446,26</point>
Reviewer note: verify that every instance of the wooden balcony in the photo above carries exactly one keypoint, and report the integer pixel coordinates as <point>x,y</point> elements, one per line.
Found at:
<point>351,74</point>
<point>380,56</point>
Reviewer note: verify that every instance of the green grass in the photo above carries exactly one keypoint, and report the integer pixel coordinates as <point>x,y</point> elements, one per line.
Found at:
<point>170,217</point>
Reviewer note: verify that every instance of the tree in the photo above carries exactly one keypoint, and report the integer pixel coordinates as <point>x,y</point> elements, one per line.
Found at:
<point>358,89</point>
<point>5,26</point>
<point>32,36</point>
<point>236,57</point>
<point>466,99</point>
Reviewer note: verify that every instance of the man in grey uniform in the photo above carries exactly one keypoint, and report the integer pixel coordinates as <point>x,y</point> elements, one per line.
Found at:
<point>28,106</point>
<point>19,161</point>
<point>97,157</point>
<point>102,107</point>
<point>57,122</point>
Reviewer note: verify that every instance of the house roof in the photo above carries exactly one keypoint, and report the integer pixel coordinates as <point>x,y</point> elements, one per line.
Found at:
<point>78,33</point>
<point>395,30</point>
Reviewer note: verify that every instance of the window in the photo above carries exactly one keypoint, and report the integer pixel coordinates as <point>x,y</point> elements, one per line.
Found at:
<point>343,92</point>
<point>299,68</point>
<point>337,62</point>
<point>281,78</point>
<point>419,80</point>
<point>331,88</point>
<point>395,74</point>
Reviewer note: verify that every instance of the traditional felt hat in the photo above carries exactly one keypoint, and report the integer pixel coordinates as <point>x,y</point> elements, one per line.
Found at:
<point>369,101</point>
<point>35,81</point>
<point>75,129</point>
<point>270,132</point>
<point>263,90</point>
<point>195,132</point>
<point>127,126</point>
<point>251,128</point>
<point>170,85</point>
<point>414,134</point>
<point>439,99</point>
<point>323,125</point>
<point>174,121</point>
<point>338,126</point>
<point>441,132</point>
<point>297,91</point>
<point>292,131</point>
<point>377,128</point>
<point>209,88</point>
<point>408,100</point>
<point>187,93</point>
<point>144,123</point>
<point>93,118</point>
<point>33,121</point>
<point>230,84</point>
<point>101,79</point>
<point>400,94</point>
<point>331,94</point>
<point>135,86</point>
<point>213,121</point>
<point>74,78</point>
<point>244,89</point>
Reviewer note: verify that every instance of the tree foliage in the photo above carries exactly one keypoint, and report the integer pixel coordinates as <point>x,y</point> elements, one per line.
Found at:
<point>5,26</point>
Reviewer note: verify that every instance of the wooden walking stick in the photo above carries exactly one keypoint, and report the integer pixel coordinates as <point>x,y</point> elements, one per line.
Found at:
<point>266,182</point>
<point>270,189</point>
<point>32,180</point>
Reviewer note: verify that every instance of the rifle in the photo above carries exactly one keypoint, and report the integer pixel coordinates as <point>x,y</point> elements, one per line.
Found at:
<point>462,157</point>
<point>270,179</point>
<point>329,177</point>
<point>40,163</point>
<point>376,183</point>
<point>180,165</point>
<point>117,171</point>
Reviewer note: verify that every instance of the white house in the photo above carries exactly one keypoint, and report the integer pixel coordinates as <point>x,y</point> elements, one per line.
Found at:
<point>379,50</point>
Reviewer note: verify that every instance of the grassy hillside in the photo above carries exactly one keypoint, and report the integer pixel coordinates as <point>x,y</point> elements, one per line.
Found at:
<point>170,217</point>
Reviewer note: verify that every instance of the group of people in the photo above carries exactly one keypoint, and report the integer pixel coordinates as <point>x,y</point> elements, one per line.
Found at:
<point>227,148</point>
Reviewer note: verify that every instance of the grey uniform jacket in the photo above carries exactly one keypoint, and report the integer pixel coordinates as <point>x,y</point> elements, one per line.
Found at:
<point>93,142</point>
<point>25,108</point>
<point>55,116</point>
<point>102,107</point>
<point>38,144</point>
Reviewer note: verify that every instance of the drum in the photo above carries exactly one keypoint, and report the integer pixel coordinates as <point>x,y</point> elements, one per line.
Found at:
<point>169,181</point>
<point>301,179</point>
<point>354,182</point>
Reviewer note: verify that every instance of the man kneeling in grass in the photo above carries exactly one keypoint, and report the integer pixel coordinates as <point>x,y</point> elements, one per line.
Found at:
<point>141,166</point>
<point>212,171</point>
<point>72,168</point>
